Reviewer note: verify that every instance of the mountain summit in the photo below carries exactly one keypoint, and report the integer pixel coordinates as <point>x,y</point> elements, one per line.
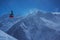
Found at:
<point>37,26</point>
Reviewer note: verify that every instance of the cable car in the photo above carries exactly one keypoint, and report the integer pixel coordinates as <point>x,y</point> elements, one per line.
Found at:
<point>11,14</point>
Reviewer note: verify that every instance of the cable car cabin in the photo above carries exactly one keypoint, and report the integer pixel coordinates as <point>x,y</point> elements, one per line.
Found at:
<point>11,15</point>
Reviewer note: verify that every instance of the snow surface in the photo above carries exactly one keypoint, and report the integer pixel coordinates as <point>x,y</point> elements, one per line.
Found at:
<point>4,36</point>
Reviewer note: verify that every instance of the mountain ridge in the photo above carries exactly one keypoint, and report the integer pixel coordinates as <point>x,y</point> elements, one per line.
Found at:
<point>35,28</point>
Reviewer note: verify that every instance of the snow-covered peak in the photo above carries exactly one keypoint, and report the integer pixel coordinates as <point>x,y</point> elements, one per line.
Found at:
<point>38,26</point>
<point>33,11</point>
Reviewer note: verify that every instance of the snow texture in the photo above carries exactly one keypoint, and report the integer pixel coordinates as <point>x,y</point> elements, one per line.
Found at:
<point>4,36</point>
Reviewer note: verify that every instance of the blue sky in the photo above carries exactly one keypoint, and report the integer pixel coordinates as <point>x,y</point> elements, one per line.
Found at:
<point>20,7</point>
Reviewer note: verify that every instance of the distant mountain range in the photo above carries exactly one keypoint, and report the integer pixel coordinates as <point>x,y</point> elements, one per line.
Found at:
<point>35,26</point>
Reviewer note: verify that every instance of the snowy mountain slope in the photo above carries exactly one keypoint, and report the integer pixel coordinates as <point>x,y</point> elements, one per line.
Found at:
<point>17,32</point>
<point>37,26</point>
<point>8,22</point>
<point>50,19</point>
<point>51,24</point>
<point>4,36</point>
